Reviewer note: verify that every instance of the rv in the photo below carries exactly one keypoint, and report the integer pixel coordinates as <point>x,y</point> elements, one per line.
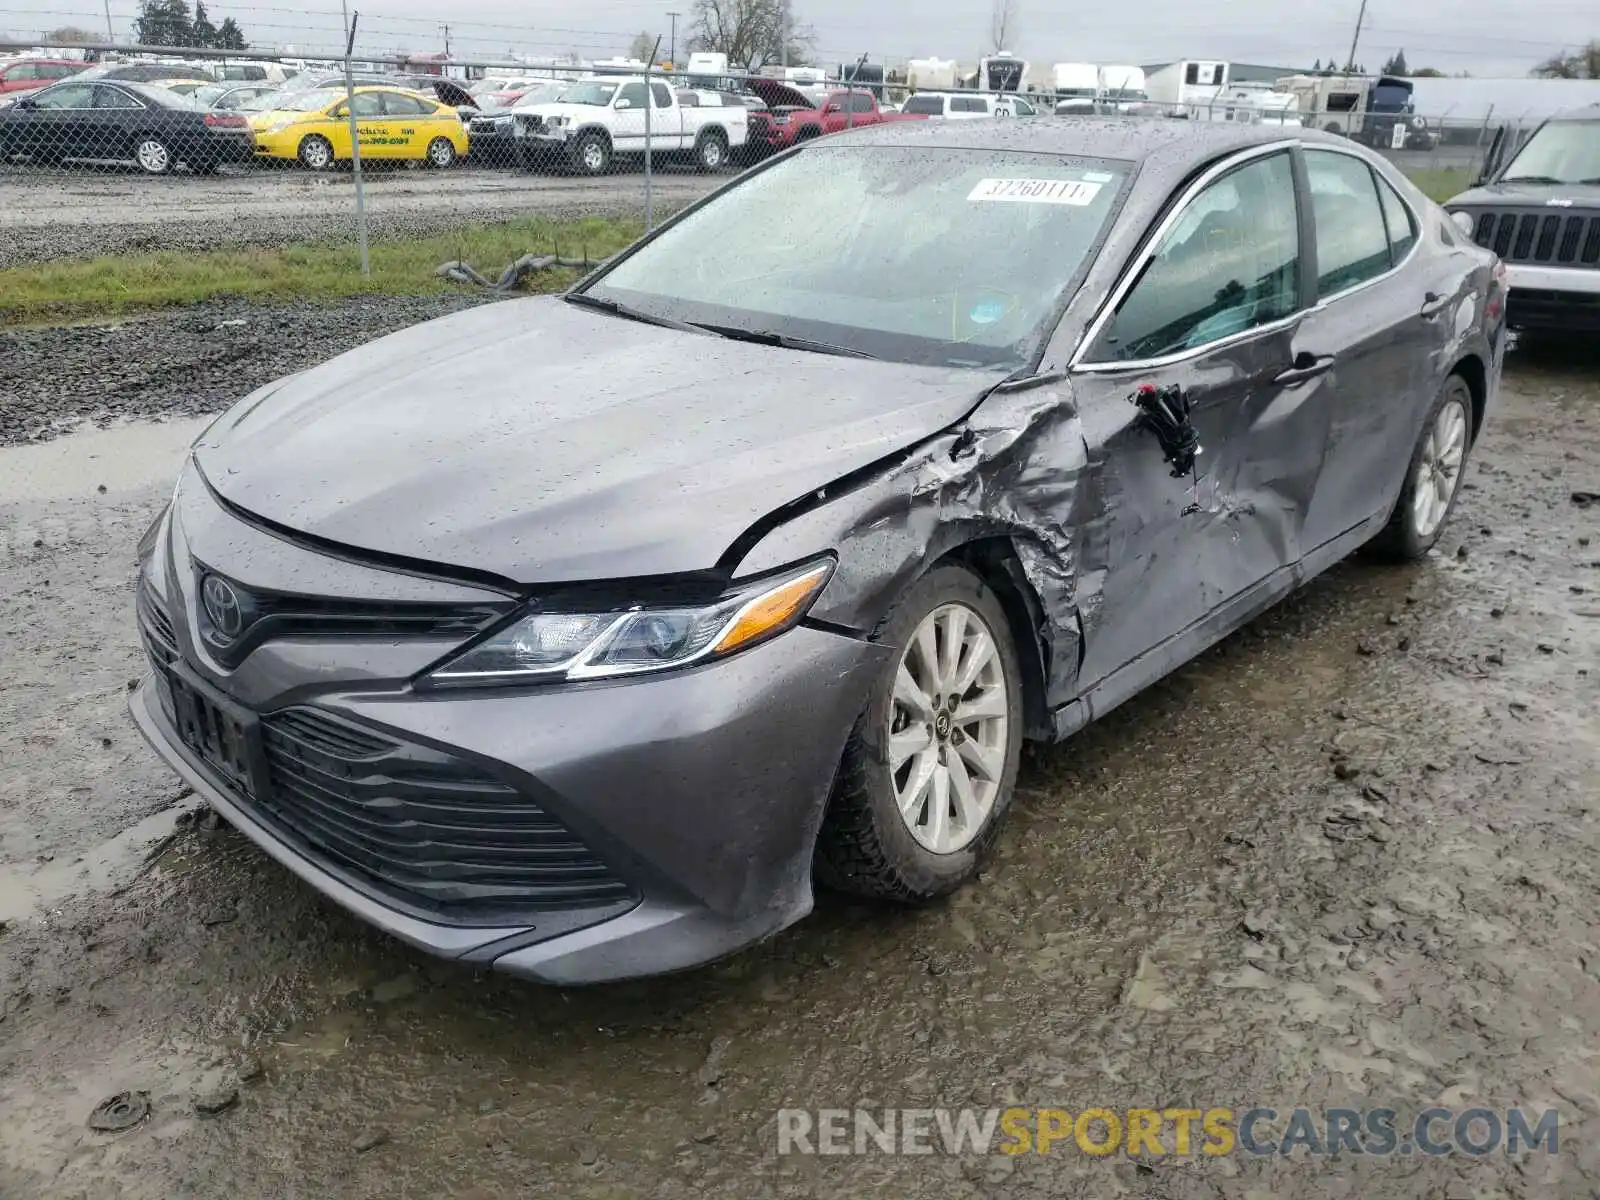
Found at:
<point>1075,86</point>
<point>707,71</point>
<point>1003,72</point>
<point>1375,111</point>
<point>1120,88</point>
<point>931,74</point>
<point>1182,85</point>
<point>1251,104</point>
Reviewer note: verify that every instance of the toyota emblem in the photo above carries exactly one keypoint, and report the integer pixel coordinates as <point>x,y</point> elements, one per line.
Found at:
<point>222,606</point>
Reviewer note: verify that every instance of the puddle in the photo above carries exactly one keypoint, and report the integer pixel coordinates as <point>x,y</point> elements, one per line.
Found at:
<point>26,889</point>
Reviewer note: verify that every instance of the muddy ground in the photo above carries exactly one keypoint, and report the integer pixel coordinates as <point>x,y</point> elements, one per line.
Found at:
<point>1348,857</point>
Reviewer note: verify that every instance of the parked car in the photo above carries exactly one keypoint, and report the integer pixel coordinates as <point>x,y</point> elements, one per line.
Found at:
<point>835,112</point>
<point>1540,212</point>
<point>600,119</point>
<point>490,129</point>
<point>498,92</point>
<point>150,72</point>
<point>596,686</point>
<point>250,72</point>
<point>180,87</point>
<point>119,121</point>
<point>966,106</point>
<point>231,97</point>
<point>29,74</point>
<point>313,128</point>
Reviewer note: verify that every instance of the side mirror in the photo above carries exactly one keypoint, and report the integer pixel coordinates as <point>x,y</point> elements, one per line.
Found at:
<point>621,104</point>
<point>831,108</point>
<point>24,102</point>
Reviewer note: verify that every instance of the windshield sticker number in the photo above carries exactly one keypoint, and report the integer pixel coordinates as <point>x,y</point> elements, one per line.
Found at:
<point>1036,191</point>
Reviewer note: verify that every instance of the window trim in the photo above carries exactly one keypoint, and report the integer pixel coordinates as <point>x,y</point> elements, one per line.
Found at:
<point>1377,177</point>
<point>137,101</point>
<point>1136,265</point>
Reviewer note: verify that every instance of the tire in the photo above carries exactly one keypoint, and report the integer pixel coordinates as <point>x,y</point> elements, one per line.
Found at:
<point>1439,459</point>
<point>808,133</point>
<point>711,153</point>
<point>441,154</point>
<point>866,847</point>
<point>591,154</point>
<point>316,153</point>
<point>152,155</point>
<point>1334,127</point>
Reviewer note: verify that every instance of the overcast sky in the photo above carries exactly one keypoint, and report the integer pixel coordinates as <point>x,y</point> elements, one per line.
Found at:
<point>1485,37</point>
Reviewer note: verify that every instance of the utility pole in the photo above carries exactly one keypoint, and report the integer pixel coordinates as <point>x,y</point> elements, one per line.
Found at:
<point>672,52</point>
<point>110,35</point>
<point>446,29</point>
<point>783,34</point>
<point>1350,63</point>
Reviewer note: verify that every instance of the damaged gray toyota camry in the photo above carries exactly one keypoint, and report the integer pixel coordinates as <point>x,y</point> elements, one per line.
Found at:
<point>787,532</point>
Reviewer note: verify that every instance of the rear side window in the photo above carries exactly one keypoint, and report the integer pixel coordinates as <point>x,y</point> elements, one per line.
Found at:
<point>968,104</point>
<point>23,71</point>
<point>1230,263</point>
<point>928,106</point>
<point>1401,224</point>
<point>404,106</point>
<point>1352,234</point>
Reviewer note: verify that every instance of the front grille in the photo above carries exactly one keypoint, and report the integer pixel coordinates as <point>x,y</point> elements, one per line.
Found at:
<point>421,826</point>
<point>484,127</point>
<point>1553,237</point>
<point>161,643</point>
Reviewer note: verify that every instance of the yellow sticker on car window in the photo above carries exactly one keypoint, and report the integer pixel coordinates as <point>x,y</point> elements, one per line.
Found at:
<point>1036,191</point>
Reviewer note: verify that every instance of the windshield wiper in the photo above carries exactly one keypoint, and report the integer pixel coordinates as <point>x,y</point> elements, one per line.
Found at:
<point>619,309</point>
<point>1531,179</point>
<point>767,337</point>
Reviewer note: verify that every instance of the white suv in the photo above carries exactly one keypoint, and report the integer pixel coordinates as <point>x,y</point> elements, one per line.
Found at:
<point>967,106</point>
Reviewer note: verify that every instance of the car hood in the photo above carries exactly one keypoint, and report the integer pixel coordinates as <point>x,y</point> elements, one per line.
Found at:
<point>1556,195</point>
<point>543,442</point>
<point>776,94</point>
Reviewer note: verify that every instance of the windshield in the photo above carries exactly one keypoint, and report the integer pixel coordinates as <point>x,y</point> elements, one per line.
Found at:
<point>544,94</point>
<point>266,102</point>
<point>947,257</point>
<point>308,101</point>
<point>1560,152</point>
<point>589,93</point>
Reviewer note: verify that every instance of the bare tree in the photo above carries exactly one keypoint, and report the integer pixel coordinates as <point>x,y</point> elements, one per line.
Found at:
<point>641,47</point>
<point>1004,24</point>
<point>70,34</point>
<point>752,33</point>
<point>1580,64</point>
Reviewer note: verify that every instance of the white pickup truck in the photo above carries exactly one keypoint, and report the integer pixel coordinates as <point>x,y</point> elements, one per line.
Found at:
<point>602,118</point>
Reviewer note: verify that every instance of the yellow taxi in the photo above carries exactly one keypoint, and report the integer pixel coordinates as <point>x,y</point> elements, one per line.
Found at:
<point>391,123</point>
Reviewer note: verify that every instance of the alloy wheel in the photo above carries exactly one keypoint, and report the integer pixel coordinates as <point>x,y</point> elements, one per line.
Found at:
<point>594,157</point>
<point>949,726</point>
<point>441,153</point>
<point>153,157</point>
<point>1439,468</point>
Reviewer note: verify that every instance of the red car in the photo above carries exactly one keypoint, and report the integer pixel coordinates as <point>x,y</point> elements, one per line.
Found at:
<point>25,74</point>
<point>792,116</point>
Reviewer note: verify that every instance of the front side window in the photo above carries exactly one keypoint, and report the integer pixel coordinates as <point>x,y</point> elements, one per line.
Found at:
<point>949,257</point>
<point>364,104</point>
<point>1230,263</point>
<point>23,71</point>
<point>1352,235</point>
<point>928,106</point>
<point>632,94</point>
<point>1024,109</point>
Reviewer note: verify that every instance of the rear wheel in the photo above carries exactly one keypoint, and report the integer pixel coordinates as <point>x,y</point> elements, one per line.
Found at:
<point>152,155</point>
<point>928,772</point>
<point>441,153</point>
<point>316,153</point>
<point>711,153</point>
<point>1433,477</point>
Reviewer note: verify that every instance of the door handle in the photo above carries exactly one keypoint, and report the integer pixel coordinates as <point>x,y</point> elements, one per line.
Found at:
<point>1306,366</point>
<point>1433,304</point>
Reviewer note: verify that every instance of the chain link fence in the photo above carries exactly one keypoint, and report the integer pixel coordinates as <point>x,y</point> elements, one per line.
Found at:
<point>172,151</point>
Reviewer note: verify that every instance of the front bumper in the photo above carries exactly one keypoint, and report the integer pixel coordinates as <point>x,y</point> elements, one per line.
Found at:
<point>1553,299</point>
<point>701,790</point>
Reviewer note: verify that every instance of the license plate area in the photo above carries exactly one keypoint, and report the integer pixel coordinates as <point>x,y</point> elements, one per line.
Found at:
<point>220,734</point>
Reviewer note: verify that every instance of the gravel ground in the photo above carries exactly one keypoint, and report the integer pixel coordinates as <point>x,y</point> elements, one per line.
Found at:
<point>71,214</point>
<point>1347,857</point>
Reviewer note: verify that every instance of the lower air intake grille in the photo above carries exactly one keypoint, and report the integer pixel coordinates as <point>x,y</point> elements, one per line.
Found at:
<point>423,827</point>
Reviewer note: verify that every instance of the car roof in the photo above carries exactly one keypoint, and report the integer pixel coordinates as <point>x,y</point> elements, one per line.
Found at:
<point>1132,139</point>
<point>1589,112</point>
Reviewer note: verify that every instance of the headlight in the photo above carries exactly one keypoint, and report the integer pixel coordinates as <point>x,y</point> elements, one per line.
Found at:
<point>596,645</point>
<point>1463,222</point>
<point>555,122</point>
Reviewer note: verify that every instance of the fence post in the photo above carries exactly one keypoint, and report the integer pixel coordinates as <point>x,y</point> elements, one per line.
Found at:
<point>355,138</point>
<point>649,106</point>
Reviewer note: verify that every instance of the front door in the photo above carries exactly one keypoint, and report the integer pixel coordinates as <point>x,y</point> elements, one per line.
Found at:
<point>1212,312</point>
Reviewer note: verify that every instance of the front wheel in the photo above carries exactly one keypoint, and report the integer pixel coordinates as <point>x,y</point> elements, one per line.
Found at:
<point>711,154</point>
<point>591,154</point>
<point>152,155</point>
<point>441,153</point>
<point>928,771</point>
<point>1433,477</point>
<point>316,153</point>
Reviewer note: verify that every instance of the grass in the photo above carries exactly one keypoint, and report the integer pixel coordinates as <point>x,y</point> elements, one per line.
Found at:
<point>129,283</point>
<point>1444,182</point>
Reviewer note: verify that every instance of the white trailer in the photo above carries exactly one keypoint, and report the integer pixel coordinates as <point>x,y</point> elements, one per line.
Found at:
<point>1075,86</point>
<point>1120,87</point>
<point>931,74</point>
<point>1181,85</point>
<point>1003,72</point>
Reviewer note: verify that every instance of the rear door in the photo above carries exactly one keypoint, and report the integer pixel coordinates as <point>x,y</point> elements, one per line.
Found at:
<point>1381,317</point>
<point>411,122</point>
<point>1212,311</point>
<point>108,127</point>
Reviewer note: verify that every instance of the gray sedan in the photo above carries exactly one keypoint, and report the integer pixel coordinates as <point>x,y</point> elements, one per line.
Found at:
<point>802,519</point>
